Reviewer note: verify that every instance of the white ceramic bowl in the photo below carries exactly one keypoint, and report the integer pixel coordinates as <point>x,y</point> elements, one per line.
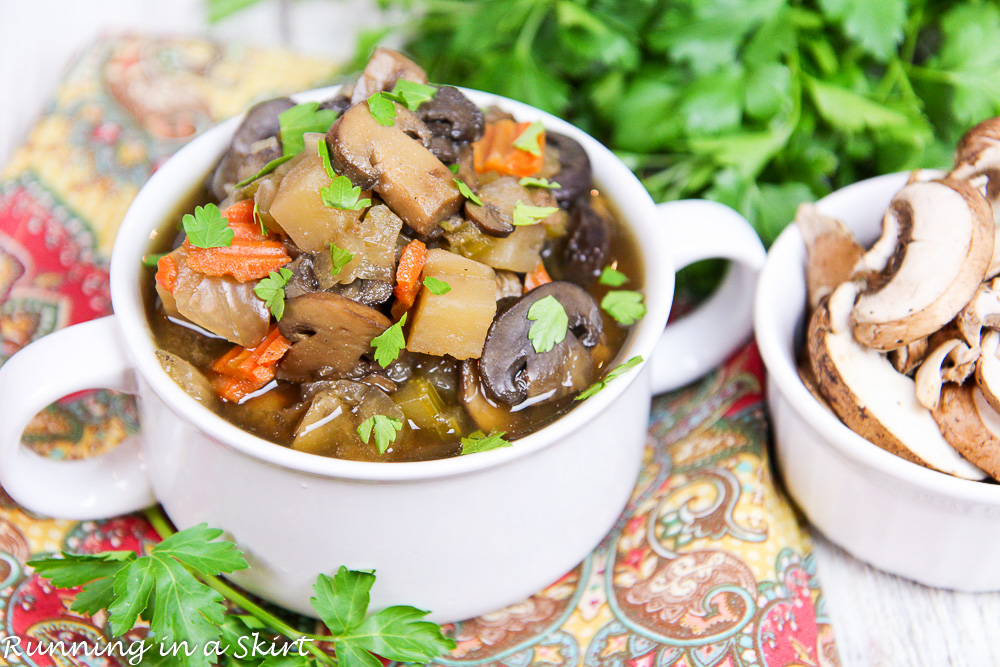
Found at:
<point>900,517</point>
<point>460,536</point>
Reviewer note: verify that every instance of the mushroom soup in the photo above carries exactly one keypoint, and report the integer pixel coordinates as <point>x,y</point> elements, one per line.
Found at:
<point>393,275</point>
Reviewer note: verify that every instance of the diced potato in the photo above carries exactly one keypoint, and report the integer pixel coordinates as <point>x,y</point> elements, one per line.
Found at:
<point>299,211</point>
<point>374,251</point>
<point>454,323</point>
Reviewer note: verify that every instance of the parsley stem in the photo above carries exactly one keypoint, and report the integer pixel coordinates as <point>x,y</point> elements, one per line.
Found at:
<point>158,520</point>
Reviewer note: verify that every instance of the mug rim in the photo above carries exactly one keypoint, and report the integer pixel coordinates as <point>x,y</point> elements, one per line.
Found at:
<point>186,169</point>
<point>785,263</point>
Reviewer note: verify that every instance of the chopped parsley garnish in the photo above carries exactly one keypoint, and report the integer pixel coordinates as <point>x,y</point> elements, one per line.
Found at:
<point>382,109</point>
<point>612,277</point>
<point>467,192</point>
<point>390,343</point>
<point>615,373</point>
<point>298,120</point>
<point>384,429</point>
<point>259,220</point>
<point>272,291</point>
<point>550,324</point>
<point>531,215</point>
<point>324,155</point>
<point>412,94</point>
<point>339,258</point>
<point>480,442</point>
<point>453,168</point>
<point>343,194</point>
<point>527,141</point>
<point>207,228</point>
<point>532,182</point>
<point>625,306</point>
<point>153,259</point>
<point>267,169</point>
<point>436,286</point>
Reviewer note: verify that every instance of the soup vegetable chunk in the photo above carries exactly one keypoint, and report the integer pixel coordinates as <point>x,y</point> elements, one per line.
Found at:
<point>394,275</point>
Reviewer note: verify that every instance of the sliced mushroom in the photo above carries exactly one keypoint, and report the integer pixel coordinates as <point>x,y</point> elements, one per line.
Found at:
<point>383,70</point>
<point>988,368</point>
<point>869,396</point>
<point>487,413</point>
<point>452,120</point>
<point>906,359</point>
<point>929,378</point>
<point>943,239</point>
<point>414,183</point>
<point>328,333</point>
<point>978,150</point>
<point>971,425</point>
<point>254,144</point>
<point>833,251</point>
<point>303,280</point>
<point>508,285</point>
<point>508,352</point>
<point>982,311</point>
<point>575,176</point>
<point>589,244</point>
<point>496,216</point>
<point>367,292</point>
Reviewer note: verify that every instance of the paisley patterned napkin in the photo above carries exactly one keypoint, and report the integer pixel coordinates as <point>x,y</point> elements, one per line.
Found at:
<point>707,567</point>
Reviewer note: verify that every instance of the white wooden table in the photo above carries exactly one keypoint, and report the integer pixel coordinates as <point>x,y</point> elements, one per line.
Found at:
<point>879,619</point>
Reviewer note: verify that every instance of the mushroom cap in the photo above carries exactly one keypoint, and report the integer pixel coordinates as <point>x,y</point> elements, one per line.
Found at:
<point>943,242</point>
<point>869,396</point>
<point>508,352</point>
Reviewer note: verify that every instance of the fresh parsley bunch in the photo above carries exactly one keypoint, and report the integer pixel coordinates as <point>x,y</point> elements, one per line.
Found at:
<point>759,104</point>
<point>175,588</point>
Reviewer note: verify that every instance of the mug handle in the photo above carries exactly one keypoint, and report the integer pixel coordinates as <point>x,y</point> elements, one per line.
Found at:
<point>84,356</point>
<point>698,229</point>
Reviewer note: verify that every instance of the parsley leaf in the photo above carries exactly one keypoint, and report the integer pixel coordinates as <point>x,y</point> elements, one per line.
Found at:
<point>612,277</point>
<point>382,109</point>
<point>412,94</point>
<point>532,182</point>
<point>625,306</point>
<point>531,215</point>
<point>453,168</point>
<point>384,428</point>
<point>399,634</point>
<point>436,286</point>
<point>528,141</point>
<point>207,228</point>
<point>153,259</point>
<point>342,601</point>
<point>343,194</point>
<point>324,155</point>
<point>550,324</point>
<point>298,120</point>
<point>272,291</point>
<point>480,442</point>
<point>259,220</point>
<point>390,343</point>
<point>467,192</point>
<point>339,258</point>
<point>615,373</point>
<point>266,169</point>
<point>877,26</point>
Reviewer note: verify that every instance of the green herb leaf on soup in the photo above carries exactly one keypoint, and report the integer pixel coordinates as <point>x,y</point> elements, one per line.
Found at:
<point>467,192</point>
<point>153,259</point>
<point>298,120</point>
<point>625,306</point>
<point>266,169</point>
<point>384,429</point>
<point>615,373</point>
<point>382,109</point>
<point>272,291</point>
<point>531,215</point>
<point>612,277</point>
<point>437,287</point>
<point>412,94</point>
<point>207,228</point>
<point>343,194</point>
<point>532,182</point>
<point>259,220</point>
<point>324,155</point>
<point>453,168</point>
<point>527,141</point>
<point>339,258</point>
<point>550,324</point>
<point>480,442</point>
<point>390,343</point>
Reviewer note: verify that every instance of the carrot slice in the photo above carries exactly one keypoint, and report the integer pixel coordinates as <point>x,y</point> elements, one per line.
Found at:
<point>496,150</point>
<point>243,260</point>
<point>411,263</point>
<point>242,371</point>
<point>166,273</point>
<point>536,278</point>
<point>240,212</point>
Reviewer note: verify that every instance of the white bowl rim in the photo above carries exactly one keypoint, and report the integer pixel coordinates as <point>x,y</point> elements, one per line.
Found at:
<point>130,246</point>
<point>781,371</point>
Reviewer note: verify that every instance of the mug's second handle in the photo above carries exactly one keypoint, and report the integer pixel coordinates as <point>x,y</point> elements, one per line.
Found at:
<point>84,356</point>
<point>690,347</point>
